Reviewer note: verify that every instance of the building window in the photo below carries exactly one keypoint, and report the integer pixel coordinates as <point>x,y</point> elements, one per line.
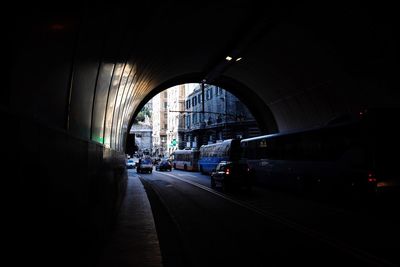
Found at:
<point>188,121</point>
<point>209,121</point>
<point>209,94</point>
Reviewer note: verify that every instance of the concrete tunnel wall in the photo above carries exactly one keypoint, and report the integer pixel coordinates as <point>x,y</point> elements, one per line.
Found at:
<point>76,77</point>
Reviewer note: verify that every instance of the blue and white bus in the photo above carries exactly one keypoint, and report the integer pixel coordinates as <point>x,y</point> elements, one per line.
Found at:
<point>212,154</point>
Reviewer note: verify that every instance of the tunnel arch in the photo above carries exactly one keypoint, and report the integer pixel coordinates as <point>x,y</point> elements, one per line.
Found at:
<point>248,97</point>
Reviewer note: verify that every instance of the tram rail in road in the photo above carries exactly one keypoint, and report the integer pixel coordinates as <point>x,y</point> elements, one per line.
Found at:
<point>351,250</point>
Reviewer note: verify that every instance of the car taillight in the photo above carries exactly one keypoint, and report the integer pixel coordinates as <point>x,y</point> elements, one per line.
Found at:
<point>371,177</point>
<point>227,171</point>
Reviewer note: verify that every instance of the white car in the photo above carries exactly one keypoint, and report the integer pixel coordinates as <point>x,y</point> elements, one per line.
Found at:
<point>130,163</point>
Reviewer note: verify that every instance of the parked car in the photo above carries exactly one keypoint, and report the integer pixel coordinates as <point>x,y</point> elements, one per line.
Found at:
<point>232,174</point>
<point>144,165</point>
<point>164,165</point>
<point>130,163</point>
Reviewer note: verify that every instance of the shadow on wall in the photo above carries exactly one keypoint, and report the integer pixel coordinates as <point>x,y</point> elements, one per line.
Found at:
<point>62,197</point>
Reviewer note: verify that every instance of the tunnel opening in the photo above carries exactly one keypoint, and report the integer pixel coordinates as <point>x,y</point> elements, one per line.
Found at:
<point>189,115</point>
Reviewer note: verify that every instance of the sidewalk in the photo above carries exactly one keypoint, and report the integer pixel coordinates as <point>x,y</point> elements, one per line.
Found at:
<point>135,241</point>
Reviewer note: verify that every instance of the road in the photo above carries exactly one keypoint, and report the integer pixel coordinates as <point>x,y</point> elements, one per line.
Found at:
<point>200,226</point>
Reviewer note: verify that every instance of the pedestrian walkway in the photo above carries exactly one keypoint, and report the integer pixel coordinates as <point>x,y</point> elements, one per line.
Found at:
<point>135,241</point>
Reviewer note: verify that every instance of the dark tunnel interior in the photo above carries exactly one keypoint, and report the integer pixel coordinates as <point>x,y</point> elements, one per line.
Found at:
<point>78,73</point>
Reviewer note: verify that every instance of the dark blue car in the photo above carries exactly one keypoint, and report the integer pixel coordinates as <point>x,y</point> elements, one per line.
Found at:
<point>164,165</point>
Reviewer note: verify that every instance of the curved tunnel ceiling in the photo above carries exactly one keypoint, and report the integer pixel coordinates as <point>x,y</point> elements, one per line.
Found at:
<point>87,69</point>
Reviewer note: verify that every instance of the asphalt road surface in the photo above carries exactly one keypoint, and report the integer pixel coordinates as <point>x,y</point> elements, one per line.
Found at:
<point>200,226</point>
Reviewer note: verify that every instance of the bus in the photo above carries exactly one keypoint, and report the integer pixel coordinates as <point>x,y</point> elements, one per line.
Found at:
<point>185,159</point>
<point>356,157</point>
<point>212,154</point>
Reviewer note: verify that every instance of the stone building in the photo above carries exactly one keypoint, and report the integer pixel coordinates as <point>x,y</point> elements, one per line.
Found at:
<point>224,117</point>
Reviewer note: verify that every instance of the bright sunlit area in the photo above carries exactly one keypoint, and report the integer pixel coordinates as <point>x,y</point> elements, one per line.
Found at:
<point>187,116</point>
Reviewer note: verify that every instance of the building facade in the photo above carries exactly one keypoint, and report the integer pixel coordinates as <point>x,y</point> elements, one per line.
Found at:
<point>223,117</point>
<point>141,132</point>
<point>143,137</point>
<point>160,124</point>
<point>176,103</point>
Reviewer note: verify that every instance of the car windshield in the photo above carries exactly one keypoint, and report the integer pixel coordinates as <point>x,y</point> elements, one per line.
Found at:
<point>130,160</point>
<point>146,161</point>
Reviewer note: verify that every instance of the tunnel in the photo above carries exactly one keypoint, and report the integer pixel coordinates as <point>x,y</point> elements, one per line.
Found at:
<point>78,73</point>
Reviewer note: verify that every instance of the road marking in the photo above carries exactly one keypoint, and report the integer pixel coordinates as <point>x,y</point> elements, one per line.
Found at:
<point>184,175</point>
<point>358,253</point>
